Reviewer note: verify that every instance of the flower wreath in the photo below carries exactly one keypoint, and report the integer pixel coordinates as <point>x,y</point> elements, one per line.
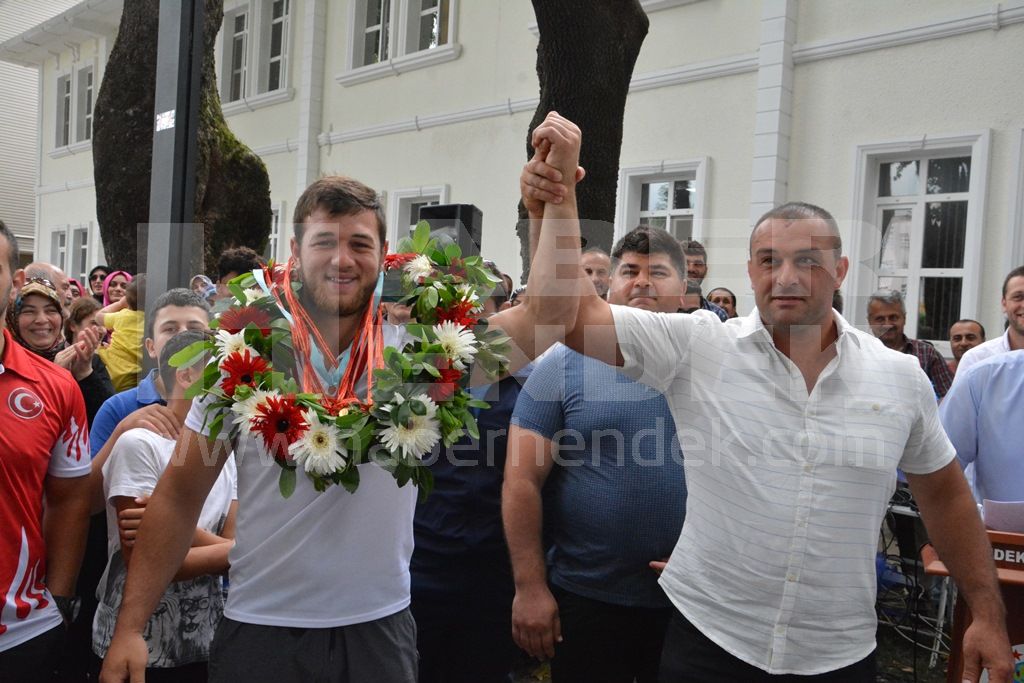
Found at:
<point>416,397</point>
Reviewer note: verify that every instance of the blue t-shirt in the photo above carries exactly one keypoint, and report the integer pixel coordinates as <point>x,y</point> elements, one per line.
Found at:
<point>616,496</point>
<point>460,545</point>
<point>120,406</point>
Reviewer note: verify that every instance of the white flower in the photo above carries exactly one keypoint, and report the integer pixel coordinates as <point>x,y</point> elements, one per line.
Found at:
<point>466,293</point>
<point>245,411</point>
<point>419,268</point>
<point>228,343</point>
<point>459,343</point>
<point>253,294</point>
<point>418,435</point>
<point>319,451</point>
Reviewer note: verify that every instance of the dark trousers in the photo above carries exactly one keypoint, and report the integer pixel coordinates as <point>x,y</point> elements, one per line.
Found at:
<point>458,643</point>
<point>34,661</point>
<point>380,651</point>
<point>195,672</point>
<point>605,643</point>
<point>690,657</point>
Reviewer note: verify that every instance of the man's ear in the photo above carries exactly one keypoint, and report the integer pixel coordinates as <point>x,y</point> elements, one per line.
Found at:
<point>18,281</point>
<point>150,349</point>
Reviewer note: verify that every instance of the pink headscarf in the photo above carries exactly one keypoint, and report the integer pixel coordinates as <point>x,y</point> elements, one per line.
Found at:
<point>106,284</point>
<point>81,289</point>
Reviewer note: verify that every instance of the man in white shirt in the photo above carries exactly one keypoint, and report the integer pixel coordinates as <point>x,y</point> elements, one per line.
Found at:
<point>1013,338</point>
<point>796,424</point>
<point>319,581</point>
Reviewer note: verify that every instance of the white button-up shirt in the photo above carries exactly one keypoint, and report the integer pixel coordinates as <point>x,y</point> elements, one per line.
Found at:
<point>786,490</point>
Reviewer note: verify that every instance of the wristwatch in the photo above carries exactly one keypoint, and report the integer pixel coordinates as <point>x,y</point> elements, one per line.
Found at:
<point>68,607</point>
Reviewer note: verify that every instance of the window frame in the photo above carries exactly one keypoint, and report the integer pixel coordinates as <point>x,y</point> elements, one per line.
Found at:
<point>865,233</point>
<point>257,60</point>
<point>401,58</point>
<point>79,133</point>
<point>631,179</point>
<point>399,203</point>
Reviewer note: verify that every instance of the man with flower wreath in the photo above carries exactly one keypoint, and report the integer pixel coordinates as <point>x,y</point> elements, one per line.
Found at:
<point>319,580</point>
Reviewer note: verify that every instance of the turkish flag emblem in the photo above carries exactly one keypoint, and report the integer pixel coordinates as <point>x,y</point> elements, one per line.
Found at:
<point>24,404</point>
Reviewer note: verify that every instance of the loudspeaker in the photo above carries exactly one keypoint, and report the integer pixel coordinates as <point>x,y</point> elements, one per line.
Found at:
<point>459,223</point>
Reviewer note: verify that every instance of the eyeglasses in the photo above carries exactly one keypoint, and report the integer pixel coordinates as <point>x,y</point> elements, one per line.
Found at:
<point>97,276</point>
<point>40,281</point>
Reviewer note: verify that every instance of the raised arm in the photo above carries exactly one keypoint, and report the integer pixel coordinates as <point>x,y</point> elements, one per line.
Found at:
<point>164,539</point>
<point>561,304</point>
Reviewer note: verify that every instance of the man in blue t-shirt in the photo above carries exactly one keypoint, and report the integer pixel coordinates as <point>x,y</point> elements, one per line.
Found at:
<point>601,452</point>
<point>176,310</point>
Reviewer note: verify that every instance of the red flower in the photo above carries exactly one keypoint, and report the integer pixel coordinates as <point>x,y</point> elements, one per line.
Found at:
<point>457,268</point>
<point>444,387</point>
<point>239,368</point>
<point>397,260</point>
<point>280,423</point>
<point>457,313</point>
<point>235,319</point>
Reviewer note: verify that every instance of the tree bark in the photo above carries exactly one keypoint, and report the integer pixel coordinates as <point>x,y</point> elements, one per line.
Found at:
<point>232,185</point>
<point>585,61</point>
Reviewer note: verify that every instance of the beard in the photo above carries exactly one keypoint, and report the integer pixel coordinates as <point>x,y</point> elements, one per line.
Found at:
<point>325,302</point>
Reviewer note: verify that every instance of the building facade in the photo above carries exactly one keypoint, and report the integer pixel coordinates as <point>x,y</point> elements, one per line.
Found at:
<point>903,119</point>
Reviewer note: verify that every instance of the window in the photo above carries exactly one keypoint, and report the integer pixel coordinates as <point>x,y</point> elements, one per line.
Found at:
<point>63,111</point>
<point>917,228</point>
<point>70,249</point>
<point>85,102</point>
<point>79,258</point>
<point>274,239</point>
<point>668,205</point>
<point>392,36</point>
<point>921,210</point>
<point>404,209</point>
<point>668,196</point>
<point>76,96</point>
<point>255,40</point>
<point>59,247</point>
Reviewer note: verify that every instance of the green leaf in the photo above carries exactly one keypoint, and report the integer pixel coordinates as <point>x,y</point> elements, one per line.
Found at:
<point>431,298</point>
<point>185,357</point>
<point>417,407</point>
<point>286,482</point>
<point>431,370</point>
<point>237,291</point>
<point>452,252</point>
<point>471,426</point>
<point>350,478</point>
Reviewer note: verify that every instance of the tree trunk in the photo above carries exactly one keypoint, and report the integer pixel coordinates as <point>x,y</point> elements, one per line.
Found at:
<point>585,61</point>
<point>232,185</point>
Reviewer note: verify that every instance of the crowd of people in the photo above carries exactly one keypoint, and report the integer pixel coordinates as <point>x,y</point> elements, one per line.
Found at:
<point>661,490</point>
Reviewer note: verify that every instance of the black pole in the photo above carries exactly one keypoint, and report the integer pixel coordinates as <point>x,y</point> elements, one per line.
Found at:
<point>174,243</point>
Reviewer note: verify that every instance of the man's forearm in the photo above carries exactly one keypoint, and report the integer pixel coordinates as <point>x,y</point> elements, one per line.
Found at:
<point>65,527</point>
<point>521,511</point>
<point>553,289</point>
<point>951,517</point>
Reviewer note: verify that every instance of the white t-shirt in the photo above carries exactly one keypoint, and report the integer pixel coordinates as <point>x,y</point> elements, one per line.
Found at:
<point>317,560</point>
<point>786,489</point>
<point>983,351</point>
<point>181,628</point>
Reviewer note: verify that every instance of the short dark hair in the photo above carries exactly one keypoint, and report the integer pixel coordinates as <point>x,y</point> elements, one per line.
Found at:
<point>338,196</point>
<point>694,248</point>
<point>237,260</point>
<point>797,211</point>
<point>647,240</point>
<point>1016,272</point>
<point>12,246</point>
<point>179,296</point>
<point>136,291</point>
<point>178,342</point>
<point>975,322</point>
<point>80,309</point>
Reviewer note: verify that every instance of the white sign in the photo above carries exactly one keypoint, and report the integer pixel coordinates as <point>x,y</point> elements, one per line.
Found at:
<point>164,120</point>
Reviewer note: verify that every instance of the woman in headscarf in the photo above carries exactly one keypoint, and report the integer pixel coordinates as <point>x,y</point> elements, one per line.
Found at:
<point>36,321</point>
<point>77,291</point>
<point>95,282</point>
<point>114,286</point>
